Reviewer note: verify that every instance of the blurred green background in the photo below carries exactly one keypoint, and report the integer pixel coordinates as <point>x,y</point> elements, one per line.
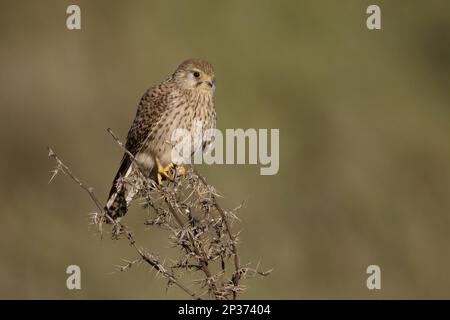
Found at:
<point>364,119</point>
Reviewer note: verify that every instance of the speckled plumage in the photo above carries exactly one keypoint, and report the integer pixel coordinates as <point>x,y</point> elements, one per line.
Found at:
<point>178,102</point>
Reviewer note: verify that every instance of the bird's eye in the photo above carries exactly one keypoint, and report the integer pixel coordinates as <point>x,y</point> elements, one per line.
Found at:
<point>196,74</point>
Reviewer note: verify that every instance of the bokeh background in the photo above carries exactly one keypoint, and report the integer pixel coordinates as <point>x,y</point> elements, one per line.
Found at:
<point>364,119</point>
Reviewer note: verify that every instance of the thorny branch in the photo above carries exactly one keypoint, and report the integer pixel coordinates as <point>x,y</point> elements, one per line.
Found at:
<point>149,258</point>
<point>198,226</point>
<point>236,276</point>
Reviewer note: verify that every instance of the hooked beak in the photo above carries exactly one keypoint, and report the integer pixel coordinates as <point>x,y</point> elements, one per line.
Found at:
<point>209,81</point>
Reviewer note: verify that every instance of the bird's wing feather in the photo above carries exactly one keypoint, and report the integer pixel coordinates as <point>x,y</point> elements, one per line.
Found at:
<point>150,107</point>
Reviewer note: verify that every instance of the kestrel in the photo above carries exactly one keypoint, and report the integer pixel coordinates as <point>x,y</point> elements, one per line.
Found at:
<point>178,102</point>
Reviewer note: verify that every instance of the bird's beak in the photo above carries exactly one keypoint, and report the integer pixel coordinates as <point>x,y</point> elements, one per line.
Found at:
<point>209,81</point>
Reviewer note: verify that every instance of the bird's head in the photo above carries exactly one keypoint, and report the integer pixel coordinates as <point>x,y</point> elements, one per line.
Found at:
<point>195,74</point>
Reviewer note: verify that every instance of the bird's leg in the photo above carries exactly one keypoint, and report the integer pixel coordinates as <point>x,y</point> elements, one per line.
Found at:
<point>163,171</point>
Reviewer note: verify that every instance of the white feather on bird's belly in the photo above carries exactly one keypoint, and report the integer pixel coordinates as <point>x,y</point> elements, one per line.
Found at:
<point>146,160</point>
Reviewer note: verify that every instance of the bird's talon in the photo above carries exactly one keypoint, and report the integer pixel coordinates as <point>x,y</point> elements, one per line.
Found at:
<point>181,170</point>
<point>163,172</point>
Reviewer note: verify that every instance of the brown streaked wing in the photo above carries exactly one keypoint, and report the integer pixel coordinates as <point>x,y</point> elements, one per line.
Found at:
<point>149,109</point>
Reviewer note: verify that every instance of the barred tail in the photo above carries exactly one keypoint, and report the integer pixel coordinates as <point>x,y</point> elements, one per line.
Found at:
<point>117,206</point>
<point>125,187</point>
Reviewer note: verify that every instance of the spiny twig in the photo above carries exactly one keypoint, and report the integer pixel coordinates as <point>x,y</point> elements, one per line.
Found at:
<point>187,207</point>
<point>236,275</point>
<point>154,263</point>
<point>178,219</point>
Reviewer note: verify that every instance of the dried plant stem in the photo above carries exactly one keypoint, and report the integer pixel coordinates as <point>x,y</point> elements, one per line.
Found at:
<point>198,226</point>
<point>159,267</point>
<point>204,265</point>
<point>68,172</point>
<point>129,236</point>
<point>236,276</point>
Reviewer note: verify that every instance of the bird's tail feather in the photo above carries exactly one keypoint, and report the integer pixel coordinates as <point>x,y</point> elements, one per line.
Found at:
<point>124,189</point>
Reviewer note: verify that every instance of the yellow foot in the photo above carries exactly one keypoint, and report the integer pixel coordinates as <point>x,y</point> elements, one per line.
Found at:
<point>163,171</point>
<point>181,170</point>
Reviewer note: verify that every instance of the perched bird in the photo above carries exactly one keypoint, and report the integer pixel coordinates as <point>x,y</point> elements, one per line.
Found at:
<point>180,101</point>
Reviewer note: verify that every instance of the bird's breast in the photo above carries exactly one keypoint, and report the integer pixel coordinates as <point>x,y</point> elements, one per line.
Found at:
<point>193,115</point>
